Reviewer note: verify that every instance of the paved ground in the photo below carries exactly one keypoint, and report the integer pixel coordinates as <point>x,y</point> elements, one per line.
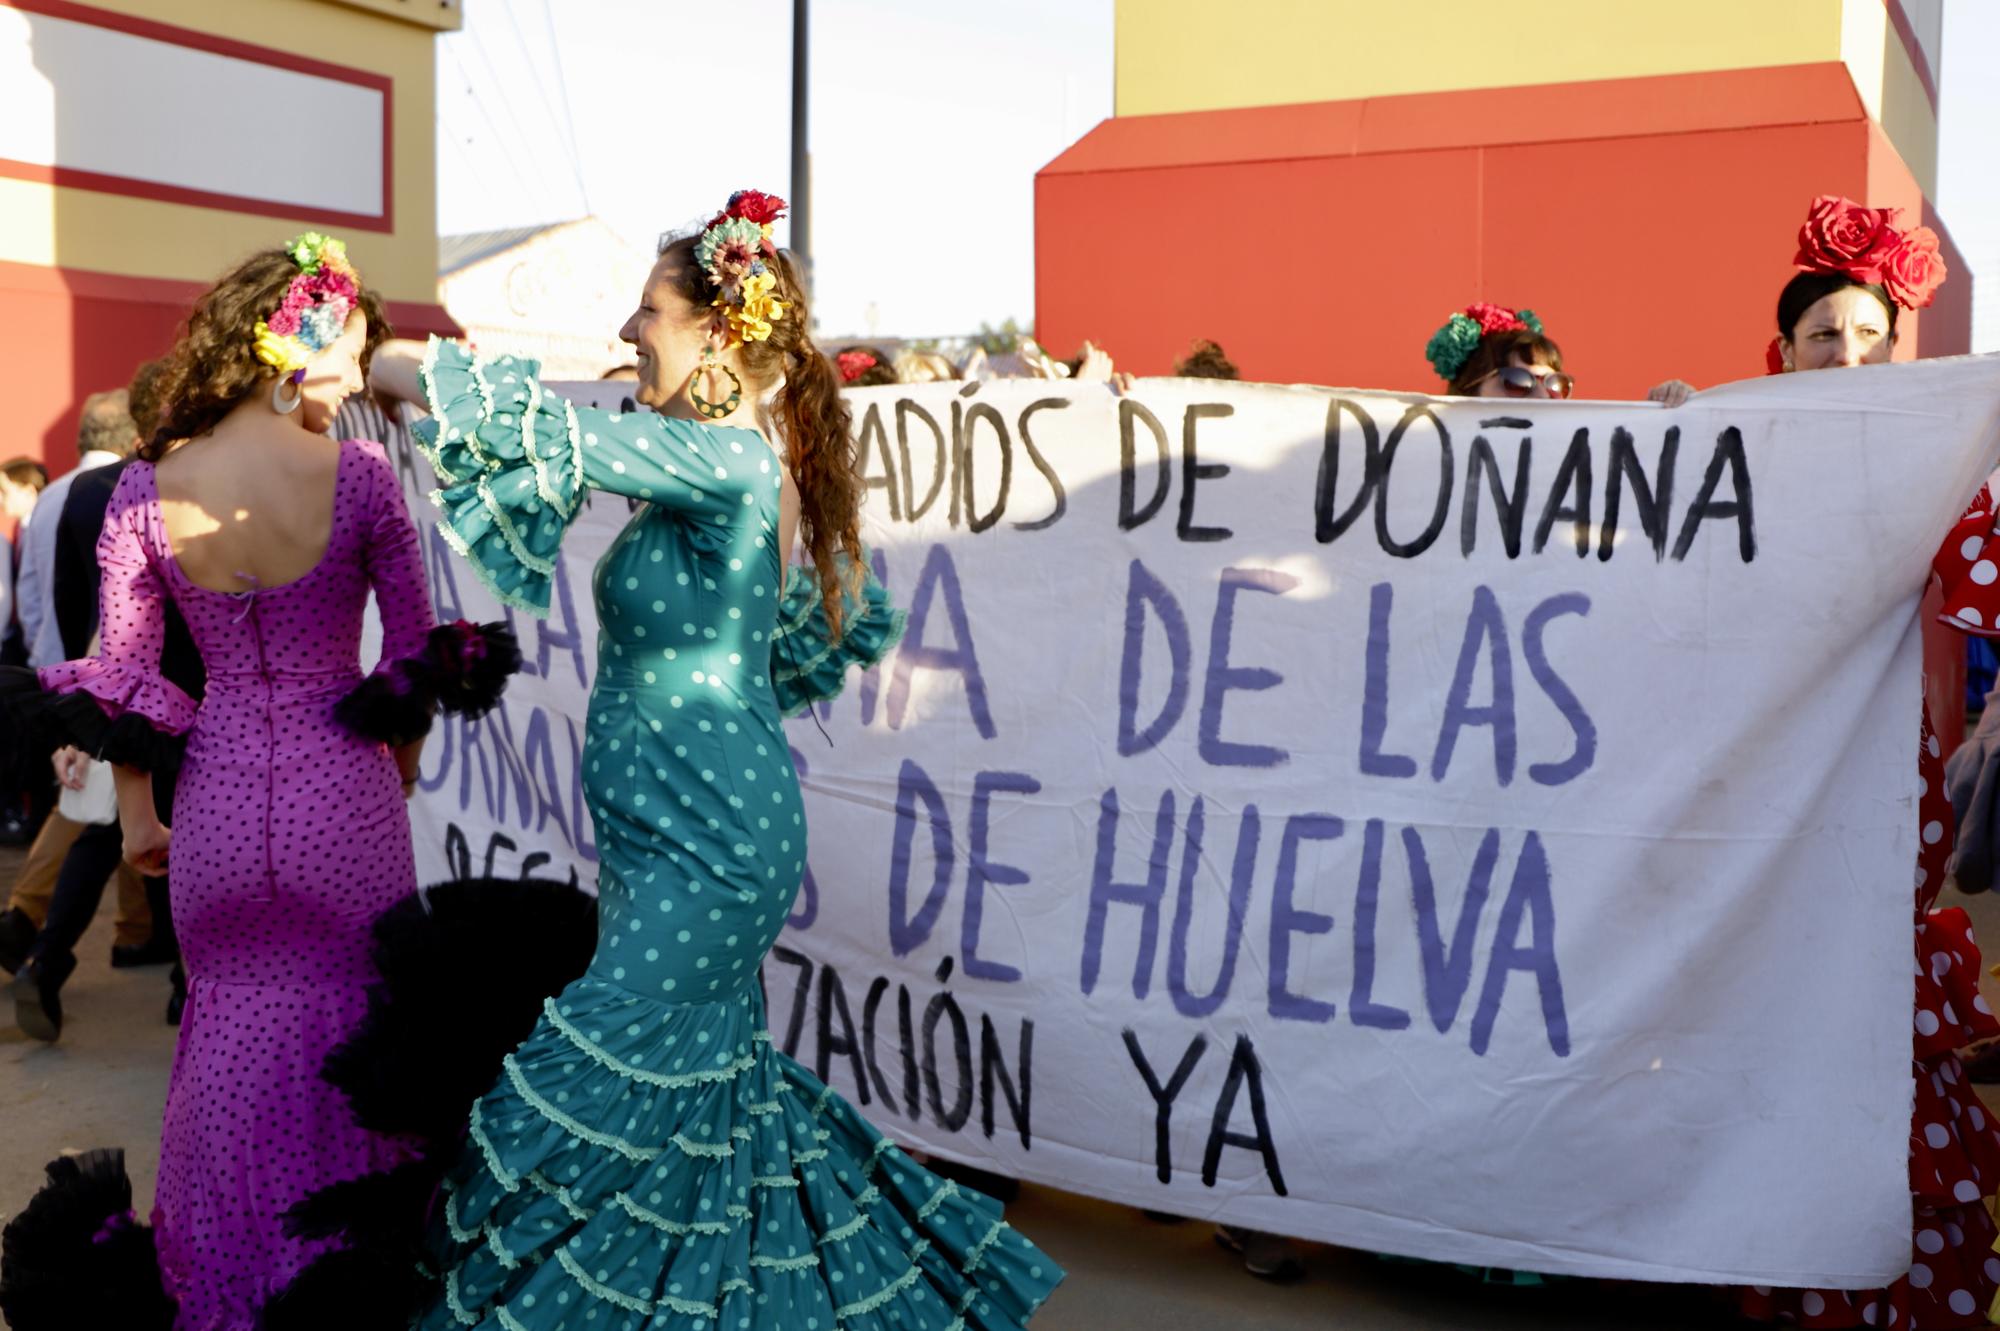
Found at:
<point>104,1083</point>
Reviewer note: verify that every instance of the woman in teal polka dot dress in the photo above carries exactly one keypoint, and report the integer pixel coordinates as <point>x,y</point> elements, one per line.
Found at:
<point>647,1159</point>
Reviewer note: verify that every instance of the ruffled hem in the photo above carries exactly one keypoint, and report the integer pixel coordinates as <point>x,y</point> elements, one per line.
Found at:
<point>462,668</point>
<point>640,1160</point>
<point>508,458</point>
<point>122,689</point>
<point>807,666</point>
<point>1967,566</point>
<point>44,719</point>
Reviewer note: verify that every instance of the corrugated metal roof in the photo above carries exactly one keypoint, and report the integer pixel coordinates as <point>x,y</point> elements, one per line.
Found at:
<point>462,251</point>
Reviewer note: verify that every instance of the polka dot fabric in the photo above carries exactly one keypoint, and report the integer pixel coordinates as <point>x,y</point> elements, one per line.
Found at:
<point>289,837</point>
<point>647,1159</point>
<point>1954,1145</point>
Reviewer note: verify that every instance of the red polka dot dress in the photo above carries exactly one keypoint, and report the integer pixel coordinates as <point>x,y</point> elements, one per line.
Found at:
<point>1954,1144</point>
<point>290,837</point>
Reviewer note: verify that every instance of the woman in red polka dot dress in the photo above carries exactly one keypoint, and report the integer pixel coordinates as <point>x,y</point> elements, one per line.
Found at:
<point>289,834</point>
<point>1856,269</point>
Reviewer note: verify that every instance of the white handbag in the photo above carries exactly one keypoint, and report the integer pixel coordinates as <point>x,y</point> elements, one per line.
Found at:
<point>97,802</point>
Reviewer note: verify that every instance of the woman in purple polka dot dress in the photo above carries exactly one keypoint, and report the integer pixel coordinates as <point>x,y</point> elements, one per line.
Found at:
<point>289,832</point>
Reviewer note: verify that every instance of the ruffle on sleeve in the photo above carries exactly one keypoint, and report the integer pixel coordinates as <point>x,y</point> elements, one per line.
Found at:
<point>1968,565</point>
<point>124,716</point>
<point>463,668</point>
<point>508,456</point>
<point>806,665</point>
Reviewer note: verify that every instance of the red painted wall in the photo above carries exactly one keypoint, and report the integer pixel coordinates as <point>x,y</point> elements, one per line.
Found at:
<point>1650,222</point>
<point>65,334</point>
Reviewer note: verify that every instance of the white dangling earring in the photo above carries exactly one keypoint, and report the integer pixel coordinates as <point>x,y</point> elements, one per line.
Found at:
<point>282,405</point>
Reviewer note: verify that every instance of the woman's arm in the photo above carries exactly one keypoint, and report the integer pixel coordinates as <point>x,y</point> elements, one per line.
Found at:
<point>393,370</point>
<point>145,836</point>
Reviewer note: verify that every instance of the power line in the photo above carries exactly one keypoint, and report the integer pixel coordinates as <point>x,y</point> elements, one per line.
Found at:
<point>506,102</point>
<point>562,83</point>
<point>565,135</point>
<point>531,182</point>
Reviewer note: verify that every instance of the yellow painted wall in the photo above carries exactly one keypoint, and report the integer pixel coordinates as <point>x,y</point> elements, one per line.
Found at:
<point>111,233</point>
<point>1196,55</point>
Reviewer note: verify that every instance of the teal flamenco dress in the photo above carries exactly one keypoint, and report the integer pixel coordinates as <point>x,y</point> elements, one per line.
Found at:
<point>646,1158</point>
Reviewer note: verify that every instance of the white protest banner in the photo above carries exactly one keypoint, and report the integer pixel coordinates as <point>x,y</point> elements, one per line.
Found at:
<point>1474,830</point>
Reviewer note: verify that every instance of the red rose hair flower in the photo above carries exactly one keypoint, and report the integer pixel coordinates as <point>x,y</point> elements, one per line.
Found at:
<point>1493,318</point>
<point>753,205</point>
<point>854,364</point>
<point>1841,236</point>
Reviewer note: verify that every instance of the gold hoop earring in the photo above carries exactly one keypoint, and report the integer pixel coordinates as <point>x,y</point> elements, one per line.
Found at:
<point>714,410</point>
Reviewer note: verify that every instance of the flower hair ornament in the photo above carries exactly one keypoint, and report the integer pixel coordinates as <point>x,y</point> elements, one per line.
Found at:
<point>1453,343</point>
<point>1841,236</point>
<point>854,364</point>
<point>312,315</point>
<point>732,250</point>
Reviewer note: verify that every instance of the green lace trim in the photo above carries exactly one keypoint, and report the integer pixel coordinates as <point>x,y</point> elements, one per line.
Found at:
<point>977,1253</point>
<point>945,1192</point>
<point>775,1181</point>
<point>505,524</point>
<point>550,1188</point>
<point>880,1296</point>
<point>787,1263</point>
<point>705,1150</point>
<point>605,1292</point>
<point>807,1157</point>
<point>636,1154</point>
<point>727,1072</point>
<point>575,446</point>
<point>678,1228</point>
<point>731,1285</point>
<point>844,1231</point>
<point>506,1259</point>
<point>484,575</point>
<point>459,1233</point>
<point>451,1299</point>
<point>508,1320</point>
<point>505,1177</point>
<point>543,486</point>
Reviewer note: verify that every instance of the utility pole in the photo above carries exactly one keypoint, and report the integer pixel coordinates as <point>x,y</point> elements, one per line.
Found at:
<point>801,159</point>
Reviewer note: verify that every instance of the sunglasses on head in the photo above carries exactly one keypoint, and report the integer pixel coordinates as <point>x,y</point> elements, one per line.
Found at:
<point>1519,381</point>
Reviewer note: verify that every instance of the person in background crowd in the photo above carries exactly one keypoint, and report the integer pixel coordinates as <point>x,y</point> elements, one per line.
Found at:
<point>104,434</point>
<point>23,783</point>
<point>141,932</point>
<point>864,367</point>
<point>73,889</point>
<point>21,483</point>
<point>1205,360</point>
<point>1488,350</point>
<point>923,367</point>
<point>1857,269</point>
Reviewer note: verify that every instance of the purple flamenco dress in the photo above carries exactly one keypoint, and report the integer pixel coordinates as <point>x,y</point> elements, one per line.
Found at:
<point>290,837</point>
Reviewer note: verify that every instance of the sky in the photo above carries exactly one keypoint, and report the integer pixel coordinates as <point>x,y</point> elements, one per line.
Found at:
<point>929,121</point>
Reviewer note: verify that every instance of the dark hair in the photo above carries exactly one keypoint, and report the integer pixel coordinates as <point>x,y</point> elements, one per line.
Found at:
<point>1496,351</point>
<point>143,395</point>
<point>25,471</point>
<point>883,371</point>
<point>813,419</point>
<point>214,364</point>
<point>1806,290</point>
<point>1205,360</point>
<point>105,424</point>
